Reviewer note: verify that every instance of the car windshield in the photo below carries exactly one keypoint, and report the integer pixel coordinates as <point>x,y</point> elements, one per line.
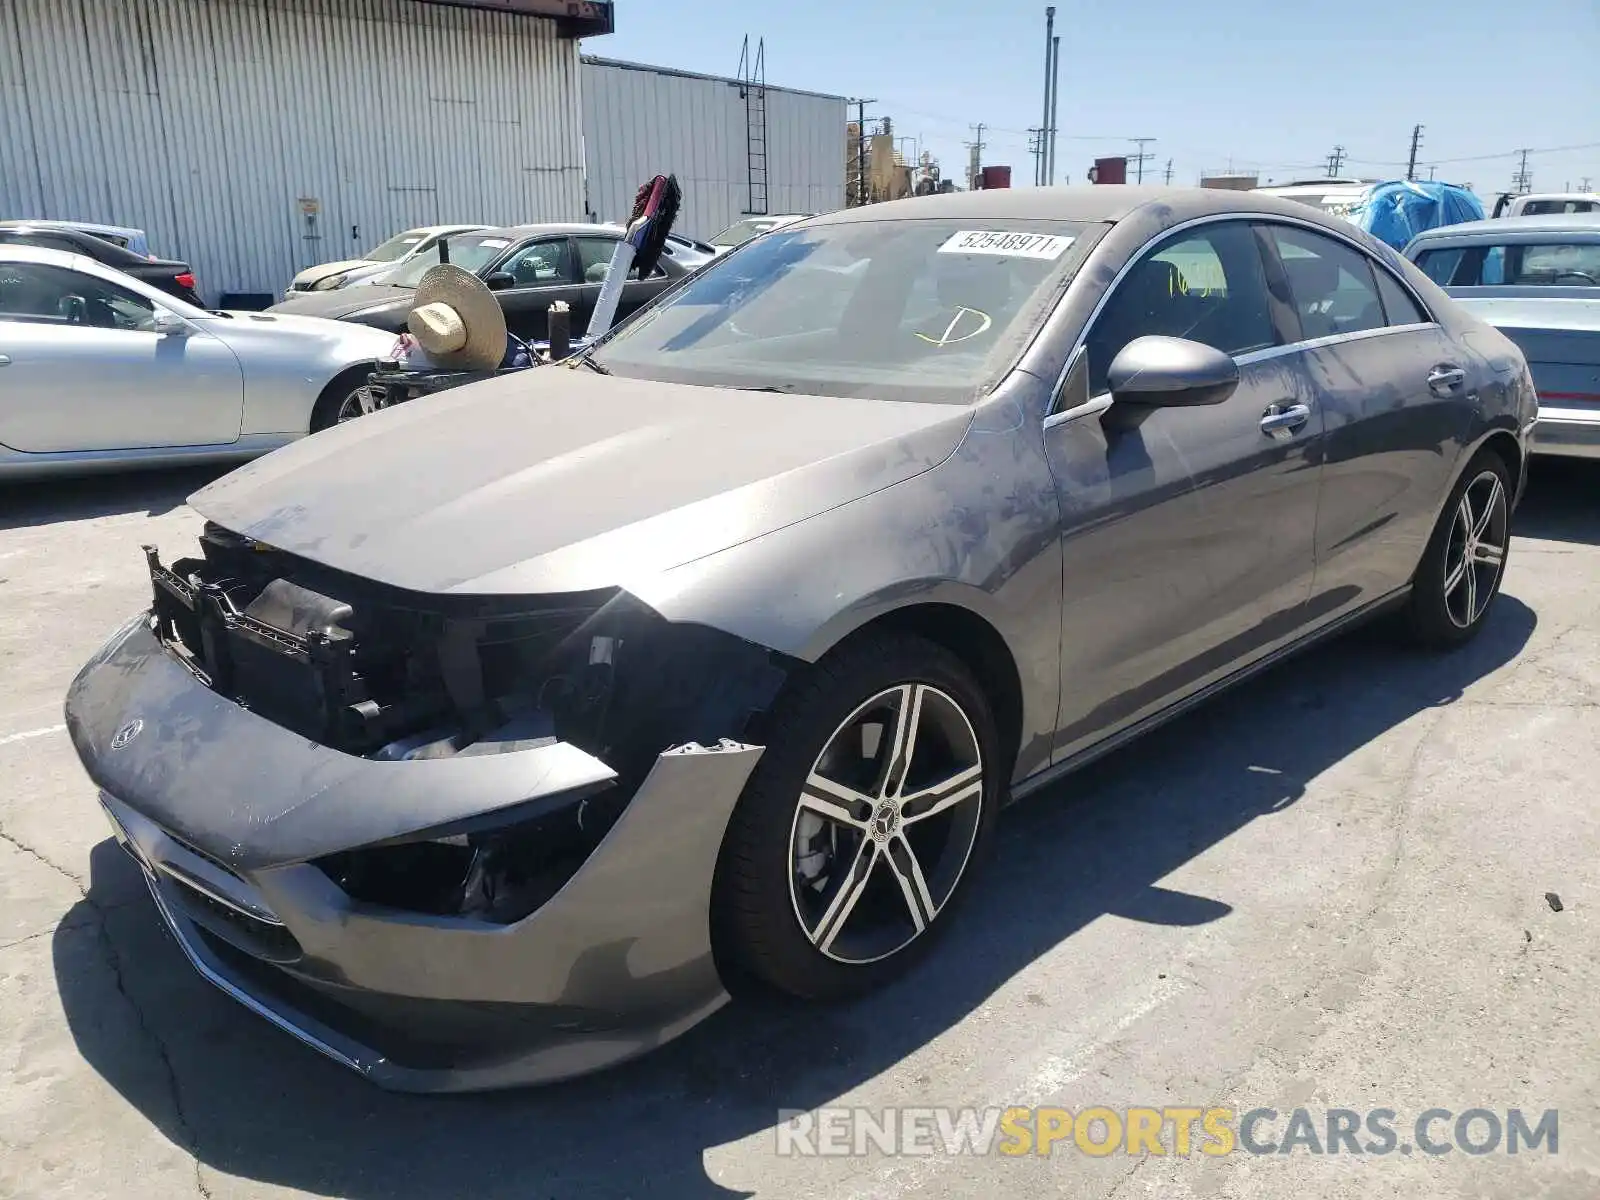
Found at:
<point>396,247</point>
<point>1545,264</point>
<point>741,232</point>
<point>1543,208</point>
<point>929,310</point>
<point>469,251</point>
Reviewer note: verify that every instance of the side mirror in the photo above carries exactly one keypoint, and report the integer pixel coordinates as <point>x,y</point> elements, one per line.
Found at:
<point>1168,372</point>
<point>501,281</point>
<point>170,324</point>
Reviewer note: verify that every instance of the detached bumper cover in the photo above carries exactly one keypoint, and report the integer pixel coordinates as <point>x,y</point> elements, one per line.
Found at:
<point>222,809</point>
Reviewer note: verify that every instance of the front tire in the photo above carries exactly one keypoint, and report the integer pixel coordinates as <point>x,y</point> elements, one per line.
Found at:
<point>1459,577</point>
<point>863,823</point>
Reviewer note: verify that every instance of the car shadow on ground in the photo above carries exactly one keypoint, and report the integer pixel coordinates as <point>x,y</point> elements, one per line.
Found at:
<point>250,1102</point>
<point>1560,504</point>
<point>152,493</point>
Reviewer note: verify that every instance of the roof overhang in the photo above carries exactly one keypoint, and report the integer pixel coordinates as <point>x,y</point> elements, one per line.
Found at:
<point>573,18</point>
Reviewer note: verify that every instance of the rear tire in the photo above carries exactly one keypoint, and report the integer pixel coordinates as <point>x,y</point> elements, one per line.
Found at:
<point>1459,577</point>
<point>345,399</point>
<point>846,855</point>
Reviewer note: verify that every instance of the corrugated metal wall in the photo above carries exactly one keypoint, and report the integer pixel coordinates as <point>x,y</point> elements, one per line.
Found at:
<point>639,122</point>
<point>205,122</point>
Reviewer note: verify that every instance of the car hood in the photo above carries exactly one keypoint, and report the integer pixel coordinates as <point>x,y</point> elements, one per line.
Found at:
<point>556,480</point>
<point>271,330</point>
<point>344,302</point>
<point>322,270</point>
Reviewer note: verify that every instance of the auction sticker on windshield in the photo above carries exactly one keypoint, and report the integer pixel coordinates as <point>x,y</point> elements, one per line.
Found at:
<point>1011,245</point>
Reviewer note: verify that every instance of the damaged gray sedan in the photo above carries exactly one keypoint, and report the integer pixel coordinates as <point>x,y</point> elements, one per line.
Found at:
<point>495,739</point>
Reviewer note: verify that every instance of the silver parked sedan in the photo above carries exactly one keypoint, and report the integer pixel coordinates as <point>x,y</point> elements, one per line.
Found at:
<point>101,371</point>
<point>485,740</point>
<point>1537,280</point>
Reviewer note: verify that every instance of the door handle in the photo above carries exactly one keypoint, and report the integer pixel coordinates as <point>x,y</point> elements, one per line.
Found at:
<point>1284,418</point>
<point>1444,380</point>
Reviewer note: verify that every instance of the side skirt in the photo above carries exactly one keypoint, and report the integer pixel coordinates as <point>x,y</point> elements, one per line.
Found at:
<point>1043,779</point>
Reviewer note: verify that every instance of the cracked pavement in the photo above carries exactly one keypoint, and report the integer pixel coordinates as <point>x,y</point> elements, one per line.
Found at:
<point>1326,890</point>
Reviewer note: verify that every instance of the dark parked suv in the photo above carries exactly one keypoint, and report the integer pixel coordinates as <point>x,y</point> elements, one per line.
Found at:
<point>167,274</point>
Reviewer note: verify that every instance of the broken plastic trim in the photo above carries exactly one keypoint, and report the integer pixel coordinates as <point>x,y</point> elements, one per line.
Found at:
<point>501,867</point>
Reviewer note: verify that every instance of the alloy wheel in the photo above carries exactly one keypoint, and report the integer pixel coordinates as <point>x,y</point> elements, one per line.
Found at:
<point>357,404</point>
<point>886,823</point>
<point>1476,552</point>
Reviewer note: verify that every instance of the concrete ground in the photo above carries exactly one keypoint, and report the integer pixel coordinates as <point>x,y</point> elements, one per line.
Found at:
<point>1327,890</point>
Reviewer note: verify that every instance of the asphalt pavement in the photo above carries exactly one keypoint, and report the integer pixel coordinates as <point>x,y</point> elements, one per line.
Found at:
<point>1368,880</point>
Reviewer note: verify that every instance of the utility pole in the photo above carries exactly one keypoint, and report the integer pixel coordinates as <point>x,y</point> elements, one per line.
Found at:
<point>1584,185</point>
<point>863,192</point>
<point>1522,181</point>
<point>1036,148</point>
<point>1168,179</point>
<point>975,166</point>
<point>1141,157</point>
<point>1416,141</point>
<point>1055,101</point>
<point>1335,161</point>
<point>1043,163</point>
<point>1430,174</point>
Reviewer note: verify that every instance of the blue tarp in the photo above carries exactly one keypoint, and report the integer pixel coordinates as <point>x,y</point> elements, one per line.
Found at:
<point>1397,211</point>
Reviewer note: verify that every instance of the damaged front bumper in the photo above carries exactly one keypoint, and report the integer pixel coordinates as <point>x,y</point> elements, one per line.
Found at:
<point>228,814</point>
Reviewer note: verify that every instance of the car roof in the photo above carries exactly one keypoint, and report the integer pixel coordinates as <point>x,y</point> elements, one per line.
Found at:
<point>11,252</point>
<point>1496,227</point>
<point>92,246</point>
<point>1531,196</point>
<point>521,232</point>
<point>1087,204</point>
<point>82,226</point>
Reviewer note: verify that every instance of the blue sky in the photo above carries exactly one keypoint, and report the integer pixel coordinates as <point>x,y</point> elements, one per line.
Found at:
<point>1268,84</point>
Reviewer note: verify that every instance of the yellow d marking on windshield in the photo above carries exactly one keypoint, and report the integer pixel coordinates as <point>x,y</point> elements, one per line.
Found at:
<point>948,338</point>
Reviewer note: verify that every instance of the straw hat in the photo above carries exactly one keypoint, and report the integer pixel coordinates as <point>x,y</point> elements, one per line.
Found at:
<point>457,320</point>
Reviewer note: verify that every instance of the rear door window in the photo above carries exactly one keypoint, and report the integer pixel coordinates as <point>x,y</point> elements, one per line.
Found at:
<point>1398,306</point>
<point>594,260</point>
<point>1333,286</point>
<point>1545,264</point>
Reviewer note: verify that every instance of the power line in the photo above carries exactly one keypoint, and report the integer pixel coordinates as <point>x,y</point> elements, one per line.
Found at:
<point>1390,162</point>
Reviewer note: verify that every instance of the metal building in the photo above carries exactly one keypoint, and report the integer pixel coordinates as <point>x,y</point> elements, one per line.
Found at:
<point>254,137</point>
<point>736,145</point>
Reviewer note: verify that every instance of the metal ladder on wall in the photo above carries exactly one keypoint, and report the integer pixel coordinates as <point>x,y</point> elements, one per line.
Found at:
<point>753,91</point>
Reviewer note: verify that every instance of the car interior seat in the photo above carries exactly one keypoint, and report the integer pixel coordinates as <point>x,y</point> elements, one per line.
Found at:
<point>1151,300</point>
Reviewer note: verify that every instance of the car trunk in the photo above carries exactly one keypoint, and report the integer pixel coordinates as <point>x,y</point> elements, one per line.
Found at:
<point>1563,358</point>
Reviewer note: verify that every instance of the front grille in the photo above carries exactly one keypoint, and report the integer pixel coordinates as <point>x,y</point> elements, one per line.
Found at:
<point>255,935</point>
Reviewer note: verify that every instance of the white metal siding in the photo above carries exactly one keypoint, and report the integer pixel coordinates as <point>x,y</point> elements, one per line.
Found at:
<point>638,122</point>
<point>205,121</point>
